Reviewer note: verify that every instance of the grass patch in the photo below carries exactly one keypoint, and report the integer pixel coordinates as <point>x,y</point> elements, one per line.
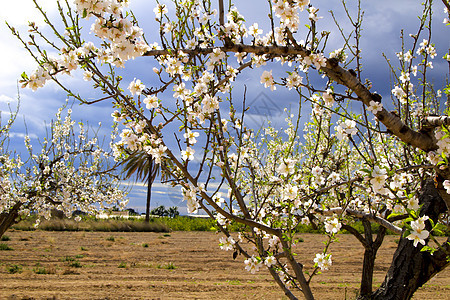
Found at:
<point>5,247</point>
<point>92,224</point>
<point>5,238</point>
<point>67,258</point>
<point>83,248</point>
<point>13,269</point>
<point>169,266</point>
<point>122,265</point>
<point>111,238</point>
<point>75,264</point>
<point>38,269</point>
<point>234,282</point>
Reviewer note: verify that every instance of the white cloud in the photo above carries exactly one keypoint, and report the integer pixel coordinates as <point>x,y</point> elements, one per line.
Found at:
<point>14,59</point>
<point>22,135</point>
<point>6,99</point>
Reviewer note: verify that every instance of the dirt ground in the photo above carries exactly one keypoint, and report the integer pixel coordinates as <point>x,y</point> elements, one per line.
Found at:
<point>179,265</point>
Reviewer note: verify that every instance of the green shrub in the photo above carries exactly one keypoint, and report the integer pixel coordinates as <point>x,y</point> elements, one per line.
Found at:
<point>92,224</point>
<point>5,238</point>
<point>5,247</point>
<point>110,238</point>
<point>169,266</point>
<point>67,258</point>
<point>75,264</point>
<point>122,265</point>
<point>38,269</point>
<point>13,269</point>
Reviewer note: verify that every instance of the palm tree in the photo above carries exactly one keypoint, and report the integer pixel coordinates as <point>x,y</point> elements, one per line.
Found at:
<point>143,164</point>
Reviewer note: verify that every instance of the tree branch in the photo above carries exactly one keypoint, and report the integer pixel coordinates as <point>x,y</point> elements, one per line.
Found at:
<point>342,76</point>
<point>359,214</point>
<point>435,121</point>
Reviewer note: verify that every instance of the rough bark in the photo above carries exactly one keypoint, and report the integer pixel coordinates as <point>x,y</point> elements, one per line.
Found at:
<point>370,253</point>
<point>411,268</point>
<point>7,219</point>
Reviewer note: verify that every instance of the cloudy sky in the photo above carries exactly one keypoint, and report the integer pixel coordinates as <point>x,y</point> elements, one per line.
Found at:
<point>383,21</point>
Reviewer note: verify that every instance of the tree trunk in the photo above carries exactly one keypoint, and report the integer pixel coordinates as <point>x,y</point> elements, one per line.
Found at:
<point>151,178</point>
<point>370,252</point>
<point>7,219</point>
<point>149,197</point>
<point>411,268</point>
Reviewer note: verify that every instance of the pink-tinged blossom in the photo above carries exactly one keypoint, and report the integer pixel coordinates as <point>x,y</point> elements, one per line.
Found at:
<point>254,30</point>
<point>270,261</point>
<point>190,196</point>
<point>399,93</point>
<point>287,167</point>
<point>191,136</point>
<point>188,154</point>
<point>136,87</point>
<point>267,80</point>
<point>226,243</point>
<point>151,102</point>
<point>328,98</point>
<point>252,264</point>
<point>375,107</point>
<point>217,55</point>
<point>294,80</point>
<point>323,261</point>
<point>418,234</point>
<point>87,76</point>
<point>332,225</point>
<point>343,129</point>
<point>447,186</point>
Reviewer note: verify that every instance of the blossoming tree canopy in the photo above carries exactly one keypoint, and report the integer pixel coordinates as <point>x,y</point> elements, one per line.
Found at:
<point>356,156</point>
<point>70,172</point>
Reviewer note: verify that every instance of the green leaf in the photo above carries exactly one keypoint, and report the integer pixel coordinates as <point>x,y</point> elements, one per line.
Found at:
<point>394,214</point>
<point>24,76</point>
<point>407,220</point>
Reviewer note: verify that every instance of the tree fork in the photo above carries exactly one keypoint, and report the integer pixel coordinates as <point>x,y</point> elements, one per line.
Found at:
<point>370,253</point>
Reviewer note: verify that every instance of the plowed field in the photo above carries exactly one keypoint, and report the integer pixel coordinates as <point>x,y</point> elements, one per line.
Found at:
<point>179,265</point>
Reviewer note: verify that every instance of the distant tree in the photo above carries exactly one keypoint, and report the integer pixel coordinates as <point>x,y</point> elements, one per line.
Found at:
<point>132,212</point>
<point>160,211</point>
<point>71,172</point>
<point>143,166</point>
<point>173,212</point>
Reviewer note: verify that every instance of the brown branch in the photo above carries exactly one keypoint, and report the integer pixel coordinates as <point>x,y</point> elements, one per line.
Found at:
<point>392,122</point>
<point>221,13</point>
<point>447,4</point>
<point>259,50</point>
<point>361,215</point>
<point>342,76</point>
<point>435,121</point>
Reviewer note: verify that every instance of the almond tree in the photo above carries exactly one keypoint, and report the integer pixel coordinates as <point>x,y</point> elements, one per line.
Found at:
<point>343,156</point>
<point>70,172</point>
